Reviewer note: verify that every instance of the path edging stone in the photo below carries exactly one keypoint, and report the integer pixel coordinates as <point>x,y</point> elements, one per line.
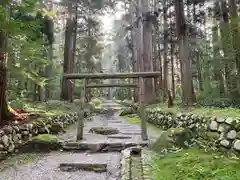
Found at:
<point>13,137</point>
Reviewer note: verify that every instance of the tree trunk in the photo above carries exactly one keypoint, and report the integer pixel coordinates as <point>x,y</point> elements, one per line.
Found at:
<point>146,64</point>
<point>156,64</point>
<point>139,41</point>
<point>172,72</point>
<point>5,115</point>
<point>74,49</point>
<point>165,57</point>
<point>48,72</point>
<point>68,47</point>
<point>230,77</point>
<point>235,31</point>
<point>199,72</point>
<point>185,62</point>
<point>216,55</point>
<point>160,83</point>
<point>49,68</point>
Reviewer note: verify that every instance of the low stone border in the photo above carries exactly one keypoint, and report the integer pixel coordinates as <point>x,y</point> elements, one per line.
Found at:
<point>125,165</point>
<point>12,137</point>
<point>222,132</point>
<point>145,165</point>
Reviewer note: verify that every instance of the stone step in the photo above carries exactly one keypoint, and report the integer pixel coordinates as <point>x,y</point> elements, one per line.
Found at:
<point>101,147</point>
<point>119,137</point>
<point>131,133</point>
<point>95,167</point>
<point>115,121</point>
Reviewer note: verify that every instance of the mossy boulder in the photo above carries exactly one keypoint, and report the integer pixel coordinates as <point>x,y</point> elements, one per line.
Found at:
<point>173,137</point>
<point>42,143</point>
<point>127,111</point>
<point>104,130</point>
<point>56,128</point>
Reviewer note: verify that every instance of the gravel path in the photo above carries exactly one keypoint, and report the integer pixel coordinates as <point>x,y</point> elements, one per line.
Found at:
<point>46,167</point>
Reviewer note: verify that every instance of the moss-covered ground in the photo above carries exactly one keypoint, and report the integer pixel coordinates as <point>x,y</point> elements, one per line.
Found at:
<point>204,111</point>
<point>195,164</point>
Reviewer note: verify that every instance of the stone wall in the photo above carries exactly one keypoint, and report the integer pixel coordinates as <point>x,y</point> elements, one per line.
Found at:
<point>12,137</point>
<point>225,132</point>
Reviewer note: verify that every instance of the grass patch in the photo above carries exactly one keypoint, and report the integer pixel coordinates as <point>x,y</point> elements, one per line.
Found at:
<point>195,164</point>
<point>132,119</point>
<point>96,103</point>
<point>205,111</point>
<point>152,130</point>
<point>46,138</point>
<point>51,108</point>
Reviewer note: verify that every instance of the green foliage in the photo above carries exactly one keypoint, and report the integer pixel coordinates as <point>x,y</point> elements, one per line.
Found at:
<point>192,164</point>
<point>28,34</point>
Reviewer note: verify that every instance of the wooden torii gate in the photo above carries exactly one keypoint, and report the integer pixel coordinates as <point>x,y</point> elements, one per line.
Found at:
<point>139,75</point>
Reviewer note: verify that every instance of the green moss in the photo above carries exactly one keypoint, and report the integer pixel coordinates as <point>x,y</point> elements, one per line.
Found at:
<point>195,164</point>
<point>171,137</point>
<point>96,103</point>
<point>205,111</point>
<point>42,143</point>
<point>46,138</point>
<point>132,119</point>
<point>50,109</point>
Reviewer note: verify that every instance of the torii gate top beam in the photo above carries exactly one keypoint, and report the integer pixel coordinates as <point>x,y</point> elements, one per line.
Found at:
<point>112,75</point>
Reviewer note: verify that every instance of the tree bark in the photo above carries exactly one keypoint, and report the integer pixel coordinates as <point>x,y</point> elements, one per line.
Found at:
<point>134,51</point>
<point>139,40</point>
<point>147,65</point>
<point>216,54</point>
<point>235,31</point>
<point>231,81</point>
<point>68,47</point>
<point>165,56</point>
<point>185,62</point>
<point>5,115</point>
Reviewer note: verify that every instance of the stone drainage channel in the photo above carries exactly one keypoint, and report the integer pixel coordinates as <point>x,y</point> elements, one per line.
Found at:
<point>119,156</point>
<point>134,165</point>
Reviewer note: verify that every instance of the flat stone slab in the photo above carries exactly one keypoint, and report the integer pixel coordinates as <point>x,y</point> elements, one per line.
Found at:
<point>101,147</point>
<point>113,121</point>
<point>104,130</point>
<point>131,133</point>
<point>119,137</point>
<point>95,167</point>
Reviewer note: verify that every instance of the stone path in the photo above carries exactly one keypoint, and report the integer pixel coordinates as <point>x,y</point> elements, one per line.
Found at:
<point>46,167</point>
